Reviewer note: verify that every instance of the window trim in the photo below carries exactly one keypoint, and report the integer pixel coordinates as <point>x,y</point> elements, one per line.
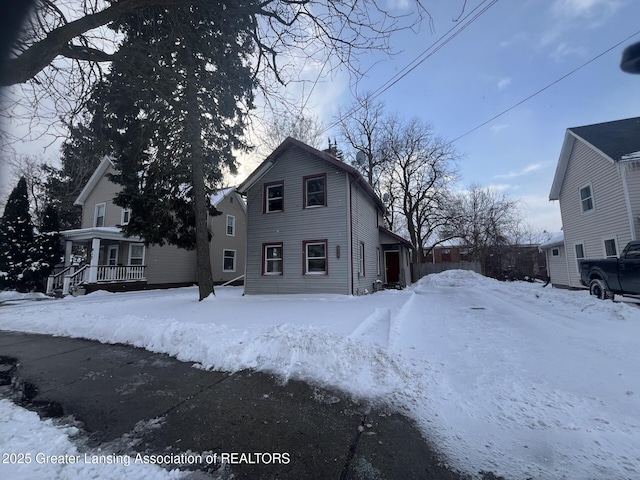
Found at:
<point>591,196</point>
<point>233,225</point>
<point>555,252</point>
<point>264,258</point>
<point>305,201</point>
<point>378,262</point>
<point>305,257</point>
<point>265,199</point>
<point>615,244</point>
<point>95,214</point>
<point>224,257</point>
<point>362,267</point>
<point>127,210</point>
<point>144,254</point>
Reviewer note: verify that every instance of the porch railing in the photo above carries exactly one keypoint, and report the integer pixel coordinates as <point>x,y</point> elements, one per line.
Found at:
<point>120,273</point>
<point>55,282</point>
<point>72,281</point>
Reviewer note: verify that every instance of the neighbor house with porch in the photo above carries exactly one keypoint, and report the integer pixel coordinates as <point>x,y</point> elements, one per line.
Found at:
<point>314,225</point>
<point>99,256</point>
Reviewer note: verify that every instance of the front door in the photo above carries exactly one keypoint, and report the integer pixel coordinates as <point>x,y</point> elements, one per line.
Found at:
<point>392,266</point>
<point>112,261</point>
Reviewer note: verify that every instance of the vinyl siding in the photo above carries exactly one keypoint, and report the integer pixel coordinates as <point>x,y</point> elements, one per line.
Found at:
<point>633,186</point>
<point>103,192</point>
<point>169,264</point>
<point>365,230</point>
<point>557,267</point>
<point>609,217</point>
<point>296,224</point>
<point>220,241</point>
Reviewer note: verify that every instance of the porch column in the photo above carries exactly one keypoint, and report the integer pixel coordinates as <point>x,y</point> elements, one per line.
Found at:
<point>95,256</point>
<point>68,246</point>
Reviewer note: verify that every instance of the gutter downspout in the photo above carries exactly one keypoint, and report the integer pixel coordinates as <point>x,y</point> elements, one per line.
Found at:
<point>350,227</point>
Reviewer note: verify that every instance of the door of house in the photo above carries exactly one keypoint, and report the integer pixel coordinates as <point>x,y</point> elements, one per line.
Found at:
<point>392,266</point>
<point>112,261</point>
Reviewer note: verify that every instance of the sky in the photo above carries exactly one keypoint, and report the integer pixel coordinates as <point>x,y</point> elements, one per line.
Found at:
<point>510,52</point>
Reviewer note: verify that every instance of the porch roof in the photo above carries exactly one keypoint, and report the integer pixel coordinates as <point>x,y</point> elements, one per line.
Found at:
<point>393,238</point>
<point>103,233</point>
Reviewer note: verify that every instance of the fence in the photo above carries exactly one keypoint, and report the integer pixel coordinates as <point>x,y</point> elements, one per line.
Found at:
<point>419,270</point>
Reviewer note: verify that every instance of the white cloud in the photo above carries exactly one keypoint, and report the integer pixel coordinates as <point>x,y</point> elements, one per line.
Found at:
<point>584,8</point>
<point>533,167</point>
<point>498,128</point>
<point>504,83</point>
<point>564,50</point>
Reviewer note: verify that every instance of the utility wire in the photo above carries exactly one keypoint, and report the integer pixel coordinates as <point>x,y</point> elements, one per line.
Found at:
<point>546,87</point>
<point>422,57</point>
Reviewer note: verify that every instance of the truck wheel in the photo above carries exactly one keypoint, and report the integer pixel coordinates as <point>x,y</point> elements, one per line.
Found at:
<point>600,289</point>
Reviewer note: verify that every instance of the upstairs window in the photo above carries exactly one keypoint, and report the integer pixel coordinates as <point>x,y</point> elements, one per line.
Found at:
<point>231,225</point>
<point>126,216</point>
<point>98,220</point>
<point>315,191</point>
<point>274,197</point>
<point>315,262</point>
<point>586,199</point>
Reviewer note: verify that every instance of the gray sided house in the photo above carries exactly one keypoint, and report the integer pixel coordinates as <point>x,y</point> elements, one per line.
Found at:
<point>597,183</point>
<point>98,255</point>
<point>315,226</point>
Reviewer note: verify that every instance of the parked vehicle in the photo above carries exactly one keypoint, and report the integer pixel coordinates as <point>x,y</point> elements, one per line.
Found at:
<point>610,276</point>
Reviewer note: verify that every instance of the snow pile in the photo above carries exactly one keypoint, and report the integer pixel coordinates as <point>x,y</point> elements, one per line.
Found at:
<point>32,448</point>
<point>513,378</point>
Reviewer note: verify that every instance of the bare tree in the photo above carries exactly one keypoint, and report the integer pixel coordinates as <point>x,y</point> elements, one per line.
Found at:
<point>419,169</point>
<point>66,45</point>
<point>360,128</point>
<point>307,129</point>
<point>30,167</point>
<point>485,220</point>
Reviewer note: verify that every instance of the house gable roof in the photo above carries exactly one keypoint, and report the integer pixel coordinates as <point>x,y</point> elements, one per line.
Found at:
<point>289,142</point>
<point>614,141</point>
<point>101,169</point>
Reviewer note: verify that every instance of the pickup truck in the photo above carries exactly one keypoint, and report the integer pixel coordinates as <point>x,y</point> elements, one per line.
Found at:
<point>610,276</point>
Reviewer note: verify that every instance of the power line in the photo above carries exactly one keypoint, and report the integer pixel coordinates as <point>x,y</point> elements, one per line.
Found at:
<point>546,87</point>
<point>423,56</point>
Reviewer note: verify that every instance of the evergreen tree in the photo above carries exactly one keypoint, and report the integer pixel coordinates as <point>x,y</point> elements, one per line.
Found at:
<point>16,239</point>
<point>171,111</point>
<point>47,249</point>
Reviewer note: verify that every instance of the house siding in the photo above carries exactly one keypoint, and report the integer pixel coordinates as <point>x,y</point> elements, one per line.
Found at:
<point>104,192</point>
<point>632,174</point>
<point>232,204</point>
<point>557,267</point>
<point>296,224</point>
<point>169,264</point>
<point>364,215</point>
<point>609,217</point>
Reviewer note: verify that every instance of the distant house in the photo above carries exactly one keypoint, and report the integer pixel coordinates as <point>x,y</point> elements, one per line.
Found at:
<point>597,183</point>
<point>99,256</point>
<point>316,226</point>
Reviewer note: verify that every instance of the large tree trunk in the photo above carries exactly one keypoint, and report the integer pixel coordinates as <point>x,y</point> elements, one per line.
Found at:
<point>201,207</point>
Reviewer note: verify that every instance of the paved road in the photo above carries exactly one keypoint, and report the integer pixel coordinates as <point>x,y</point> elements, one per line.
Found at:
<point>129,400</point>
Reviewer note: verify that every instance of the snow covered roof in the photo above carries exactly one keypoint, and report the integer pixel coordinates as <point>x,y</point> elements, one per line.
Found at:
<point>105,233</point>
<point>555,241</point>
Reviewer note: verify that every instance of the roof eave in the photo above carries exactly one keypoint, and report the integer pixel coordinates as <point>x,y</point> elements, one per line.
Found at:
<point>100,170</point>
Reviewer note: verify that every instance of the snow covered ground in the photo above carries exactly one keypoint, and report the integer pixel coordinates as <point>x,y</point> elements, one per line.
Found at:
<point>513,378</point>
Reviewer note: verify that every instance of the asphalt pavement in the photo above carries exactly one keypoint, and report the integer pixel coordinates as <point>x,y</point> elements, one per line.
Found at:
<point>245,425</point>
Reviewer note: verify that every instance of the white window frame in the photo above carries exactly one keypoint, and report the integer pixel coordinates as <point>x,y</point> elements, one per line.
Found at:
<point>309,243</point>
<point>266,259</point>
<point>96,216</point>
<point>224,257</point>
<point>378,261</point>
<point>127,211</point>
<point>130,257</point>
<point>233,226</point>
<point>590,197</point>
<point>615,245</point>
<point>363,266</point>
<point>584,253</point>
<point>555,252</point>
